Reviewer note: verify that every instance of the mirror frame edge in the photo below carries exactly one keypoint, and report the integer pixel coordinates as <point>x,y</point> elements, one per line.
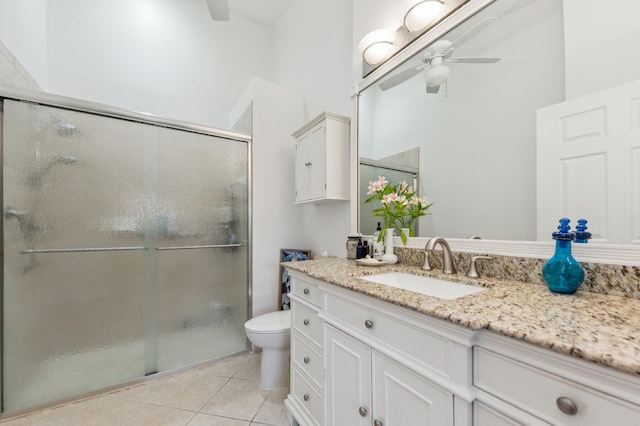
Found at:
<point>614,254</point>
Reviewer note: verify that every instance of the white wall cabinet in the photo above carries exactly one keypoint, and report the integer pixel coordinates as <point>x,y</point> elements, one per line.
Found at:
<point>322,159</point>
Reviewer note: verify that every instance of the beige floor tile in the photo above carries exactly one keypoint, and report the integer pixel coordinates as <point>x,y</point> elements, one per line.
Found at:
<point>109,410</point>
<point>209,420</point>
<point>238,399</point>
<point>229,367</point>
<point>273,411</point>
<point>188,390</point>
<point>249,368</point>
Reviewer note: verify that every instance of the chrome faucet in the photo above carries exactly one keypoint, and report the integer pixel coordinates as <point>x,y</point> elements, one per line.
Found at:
<point>448,266</point>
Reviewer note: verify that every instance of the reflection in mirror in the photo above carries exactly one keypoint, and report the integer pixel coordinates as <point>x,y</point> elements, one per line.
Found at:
<point>487,99</point>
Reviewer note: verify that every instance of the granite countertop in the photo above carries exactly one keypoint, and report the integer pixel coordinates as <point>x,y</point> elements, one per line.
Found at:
<point>600,328</point>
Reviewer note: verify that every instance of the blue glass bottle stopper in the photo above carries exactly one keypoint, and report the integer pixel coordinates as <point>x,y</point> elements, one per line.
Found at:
<point>562,273</point>
<point>582,236</point>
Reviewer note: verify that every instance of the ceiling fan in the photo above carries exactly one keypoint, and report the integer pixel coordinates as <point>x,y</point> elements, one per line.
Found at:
<point>218,9</point>
<point>435,57</point>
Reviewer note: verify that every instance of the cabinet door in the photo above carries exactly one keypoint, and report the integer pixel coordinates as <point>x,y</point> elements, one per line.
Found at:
<point>303,167</point>
<point>348,386</point>
<point>318,155</point>
<point>401,397</point>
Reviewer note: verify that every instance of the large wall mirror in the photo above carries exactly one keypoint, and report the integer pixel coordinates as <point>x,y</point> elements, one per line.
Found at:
<point>507,121</point>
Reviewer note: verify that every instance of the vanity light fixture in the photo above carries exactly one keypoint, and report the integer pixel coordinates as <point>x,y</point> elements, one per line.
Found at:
<point>420,13</point>
<point>375,46</point>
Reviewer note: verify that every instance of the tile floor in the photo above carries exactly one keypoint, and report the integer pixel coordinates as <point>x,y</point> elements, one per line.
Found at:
<point>224,393</point>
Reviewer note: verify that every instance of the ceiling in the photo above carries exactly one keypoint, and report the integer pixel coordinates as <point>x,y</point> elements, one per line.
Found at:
<point>265,12</point>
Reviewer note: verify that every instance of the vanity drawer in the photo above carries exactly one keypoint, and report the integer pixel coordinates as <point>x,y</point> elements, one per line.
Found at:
<point>541,393</point>
<point>305,320</point>
<point>307,291</point>
<point>309,398</point>
<point>426,348</point>
<point>308,360</point>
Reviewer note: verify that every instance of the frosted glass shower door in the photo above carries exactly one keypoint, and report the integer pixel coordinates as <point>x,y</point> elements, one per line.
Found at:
<point>125,251</point>
<point>202,264</point>
<point>74,208</point>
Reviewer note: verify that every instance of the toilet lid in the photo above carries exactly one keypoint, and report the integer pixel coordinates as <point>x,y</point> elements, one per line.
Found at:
<point>273,322</point>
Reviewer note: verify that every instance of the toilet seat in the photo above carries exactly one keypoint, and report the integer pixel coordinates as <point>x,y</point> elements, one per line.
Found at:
<point>271,323</point>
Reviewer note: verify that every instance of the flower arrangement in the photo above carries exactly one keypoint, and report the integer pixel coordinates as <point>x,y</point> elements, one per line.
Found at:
<point>399,205</point>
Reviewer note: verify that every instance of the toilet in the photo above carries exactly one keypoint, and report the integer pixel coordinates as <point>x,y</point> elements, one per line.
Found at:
<point>272,333</point>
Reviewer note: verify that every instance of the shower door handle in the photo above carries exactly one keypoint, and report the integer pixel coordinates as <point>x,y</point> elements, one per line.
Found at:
<point>81,250</point>
<point>199,247</point>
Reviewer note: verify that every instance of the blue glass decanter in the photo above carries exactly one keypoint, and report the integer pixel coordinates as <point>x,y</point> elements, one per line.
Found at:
<point>562,273</point>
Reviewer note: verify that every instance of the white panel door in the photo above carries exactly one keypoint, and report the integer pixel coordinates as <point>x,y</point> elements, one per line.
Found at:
<point>588,155</point>
<point>402,398</point>
<point>348,367</point>
<point>318,179</point>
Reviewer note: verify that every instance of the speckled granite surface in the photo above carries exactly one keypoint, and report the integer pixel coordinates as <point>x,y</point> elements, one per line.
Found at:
<point>604,329</point>
<point>615,280</point>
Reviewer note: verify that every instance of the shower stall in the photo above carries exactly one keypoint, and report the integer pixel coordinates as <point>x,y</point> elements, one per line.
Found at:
<point>126,247</point>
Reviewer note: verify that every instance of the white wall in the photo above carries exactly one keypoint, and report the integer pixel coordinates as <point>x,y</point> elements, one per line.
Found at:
<point>23,26</point>
<point>313,55</point>
<point>277,222</point>
<point>158,56</point>
<point>597,59</point>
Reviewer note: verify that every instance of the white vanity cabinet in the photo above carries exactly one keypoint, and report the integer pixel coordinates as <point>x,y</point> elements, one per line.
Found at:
<point>306,399</point>
<point>520,383</point>
<point>322,159</point>
<point>387,365</point>
<point>364,387</point>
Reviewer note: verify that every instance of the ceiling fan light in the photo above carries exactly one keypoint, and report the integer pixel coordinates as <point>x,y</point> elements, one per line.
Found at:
<point>375,46</point>
<point>420,13</point>
<point>437,75</point>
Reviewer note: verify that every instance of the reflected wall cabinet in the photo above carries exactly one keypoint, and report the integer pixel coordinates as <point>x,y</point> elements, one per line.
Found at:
<point>322,159</point>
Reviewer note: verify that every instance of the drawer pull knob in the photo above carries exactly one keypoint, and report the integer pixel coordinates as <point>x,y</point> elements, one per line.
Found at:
<point>306,396</point>
<point>377,423</point>
<point>305,291</point>
<point>306,360</point>
<point>362,411</point>
<point>567,406</point>
<point>368,324</point>
<point>305,322</point>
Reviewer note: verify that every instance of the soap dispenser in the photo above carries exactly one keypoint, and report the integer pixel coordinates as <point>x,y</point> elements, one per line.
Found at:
<point>562,273</point>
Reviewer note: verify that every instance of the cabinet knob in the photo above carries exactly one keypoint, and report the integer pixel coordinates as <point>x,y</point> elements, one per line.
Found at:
<point>308,164</point>
<point>377,423</point>
<point>362,411</point>
<point>567,406</point>
<point>306,396</point>
<point>368,324</point>
<point>305,322</point>
<point>305,291</point>
<point>306,360</point>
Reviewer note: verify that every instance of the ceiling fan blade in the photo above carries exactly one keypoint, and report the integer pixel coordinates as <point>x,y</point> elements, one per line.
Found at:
<point>433,89</point>
<point>401,77</point>
<point>473,60</point>
<point>218,9</point>
<point>471,32</point>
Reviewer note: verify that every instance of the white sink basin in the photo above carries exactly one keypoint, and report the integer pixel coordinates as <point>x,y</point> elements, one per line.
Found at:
<point>423,285</point>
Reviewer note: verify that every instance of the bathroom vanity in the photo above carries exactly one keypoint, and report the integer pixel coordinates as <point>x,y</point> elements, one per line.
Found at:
<point>364,353</point>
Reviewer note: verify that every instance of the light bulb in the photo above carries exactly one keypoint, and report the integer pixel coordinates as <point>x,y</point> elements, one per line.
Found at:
<point>420,13</point>
<point>437,75</point>
<point>375,46</point>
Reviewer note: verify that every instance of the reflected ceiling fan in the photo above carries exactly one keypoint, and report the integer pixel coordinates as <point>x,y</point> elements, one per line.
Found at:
<point>218,9</point>
<point>435,57</point>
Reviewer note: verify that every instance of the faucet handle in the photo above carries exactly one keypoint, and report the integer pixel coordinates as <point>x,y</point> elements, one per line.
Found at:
<point>427,265</point>
<point>473,271</point>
